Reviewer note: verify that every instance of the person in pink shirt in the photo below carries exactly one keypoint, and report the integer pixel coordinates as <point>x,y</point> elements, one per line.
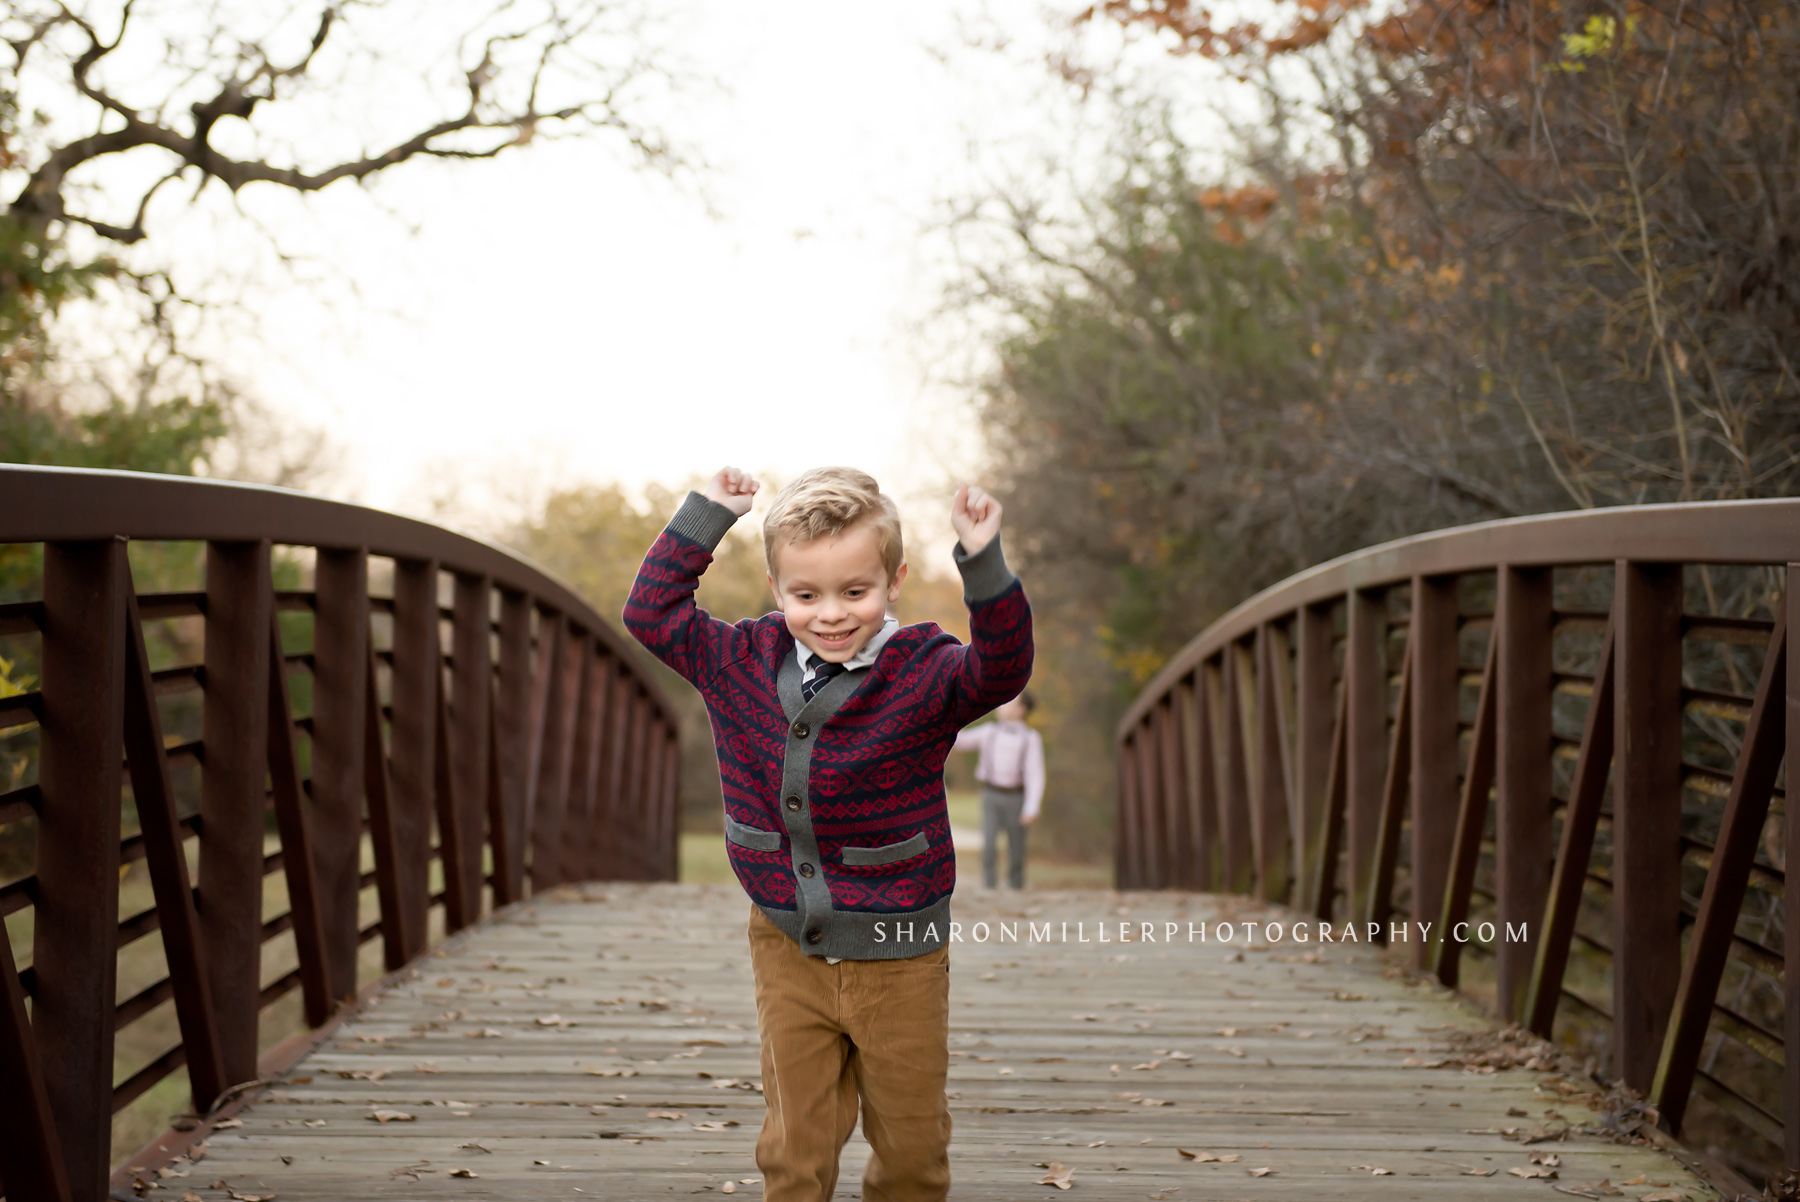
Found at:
<point>1011,771</point>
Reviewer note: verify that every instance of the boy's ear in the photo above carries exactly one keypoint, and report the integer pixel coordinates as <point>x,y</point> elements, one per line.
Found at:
<point>774,590</point>
<point>894,587</point>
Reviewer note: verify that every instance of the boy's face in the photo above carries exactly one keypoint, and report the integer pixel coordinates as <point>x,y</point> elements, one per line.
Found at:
<point>834,591</point>
<point>1011,711</point>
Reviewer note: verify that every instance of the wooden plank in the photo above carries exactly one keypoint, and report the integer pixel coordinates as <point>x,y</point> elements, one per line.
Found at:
<point>1366,738</point>
<point>292,823</point>
<point>512,748</point>
<point>340,700</point>
<point>1646,827</point>
<point>153,796</point>
<point>1436,684</point>
<point>1471,821</point>
<point>1274,794</point>
<point>471,685</point>
<point>235,733</point>
<point>76,913</point>
<point>412,746</point>
<point>31,1157</point>
<point>1575,848</point>
<point>1315,730</point>
<point>1524,622</point>
<point>1394,793</point>
<point>1740,834</point>
<point>661,999</point>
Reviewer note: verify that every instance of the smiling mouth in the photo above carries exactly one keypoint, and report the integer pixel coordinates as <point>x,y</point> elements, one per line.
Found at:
<point>836,640</point>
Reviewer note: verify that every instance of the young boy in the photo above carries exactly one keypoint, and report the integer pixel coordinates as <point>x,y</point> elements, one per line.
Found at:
<point>1011,771</point>
<point>832,723</point>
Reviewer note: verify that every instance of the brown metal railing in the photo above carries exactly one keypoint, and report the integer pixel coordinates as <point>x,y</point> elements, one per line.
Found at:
<point>1573,724</point>
<point>503,732</point>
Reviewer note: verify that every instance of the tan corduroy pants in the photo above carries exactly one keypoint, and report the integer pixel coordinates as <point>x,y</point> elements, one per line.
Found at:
<point>874,1030</point>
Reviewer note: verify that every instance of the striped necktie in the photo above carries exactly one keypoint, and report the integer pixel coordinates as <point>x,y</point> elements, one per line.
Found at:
<point>823,671</point>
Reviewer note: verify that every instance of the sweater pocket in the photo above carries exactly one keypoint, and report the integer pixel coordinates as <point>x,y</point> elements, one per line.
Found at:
<point>752,837</point>
<point>866,856</point>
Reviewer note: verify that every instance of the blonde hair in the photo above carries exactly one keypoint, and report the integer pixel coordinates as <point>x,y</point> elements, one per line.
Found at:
<point>825,501</point>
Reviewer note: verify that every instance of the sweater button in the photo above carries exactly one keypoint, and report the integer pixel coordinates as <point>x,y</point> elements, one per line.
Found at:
<point>806,870</point>
<point>801,730</point>
<point>814,934</point>
<point>793,803</point>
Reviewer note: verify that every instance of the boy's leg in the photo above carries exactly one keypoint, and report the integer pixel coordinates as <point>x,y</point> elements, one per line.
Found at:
<point>990,838</point>
<point>808,1086</point>
<point>897,1013</point>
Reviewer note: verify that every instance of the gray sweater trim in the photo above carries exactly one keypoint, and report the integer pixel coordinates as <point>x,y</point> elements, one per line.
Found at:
<point>706,522</point>
<point>984,573</point>
<point>858,935</point>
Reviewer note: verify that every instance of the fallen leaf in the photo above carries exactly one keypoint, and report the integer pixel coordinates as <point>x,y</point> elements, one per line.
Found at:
<point>667,1114</point>
<point>555,1020</point>
<point>390,1116</point>
<point>1670,1196</point>
<point>715,1124</point>
<point>1379,1172</point>
<point>1534,1170</point>
<point>1549,1158</point>
<point>1263,1172</point>
<point>227,1124</point>
<point>1059,1175</point>
<point>730,1187</point>
<point>243,1197</point>
<point>191,1196</point>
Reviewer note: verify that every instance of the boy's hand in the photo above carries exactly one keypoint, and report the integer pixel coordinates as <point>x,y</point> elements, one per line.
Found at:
<point>976,516</point>
<point>733,489</point>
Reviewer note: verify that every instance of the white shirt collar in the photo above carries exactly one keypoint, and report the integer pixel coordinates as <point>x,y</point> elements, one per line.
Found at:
<point>861,659</point>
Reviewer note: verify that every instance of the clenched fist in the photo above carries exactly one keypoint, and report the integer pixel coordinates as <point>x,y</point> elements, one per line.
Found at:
<point>976,515</point>
<point>733,489</point>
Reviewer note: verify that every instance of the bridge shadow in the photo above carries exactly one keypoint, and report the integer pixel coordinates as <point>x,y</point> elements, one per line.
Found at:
<point>600,1041</point>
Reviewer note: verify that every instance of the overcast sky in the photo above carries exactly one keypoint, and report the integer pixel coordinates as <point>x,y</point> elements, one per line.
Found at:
<point>561,315</point>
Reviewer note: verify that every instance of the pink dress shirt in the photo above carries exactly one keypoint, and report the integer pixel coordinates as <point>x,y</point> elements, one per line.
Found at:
<point>1012,755</point>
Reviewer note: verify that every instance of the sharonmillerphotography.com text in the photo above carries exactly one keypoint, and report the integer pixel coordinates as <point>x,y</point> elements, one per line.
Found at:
<point>1057,931</point>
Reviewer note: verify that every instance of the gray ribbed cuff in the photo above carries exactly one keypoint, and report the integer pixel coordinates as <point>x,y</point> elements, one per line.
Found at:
<point>984,573</point>
<point>704,521</point>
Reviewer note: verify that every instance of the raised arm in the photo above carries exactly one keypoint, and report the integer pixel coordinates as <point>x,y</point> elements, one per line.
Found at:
<point>996,665</point>
<point>972,738</point>
<point>660,612</point>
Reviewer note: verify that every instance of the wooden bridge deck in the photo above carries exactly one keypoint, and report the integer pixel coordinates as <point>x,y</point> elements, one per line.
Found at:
<point>601,1042</point>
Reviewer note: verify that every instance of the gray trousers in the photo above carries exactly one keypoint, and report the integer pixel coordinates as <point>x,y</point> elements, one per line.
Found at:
<point>1000,809</point>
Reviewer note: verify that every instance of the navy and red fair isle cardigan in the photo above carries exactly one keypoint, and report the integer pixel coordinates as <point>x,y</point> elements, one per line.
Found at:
<point>834,808</point>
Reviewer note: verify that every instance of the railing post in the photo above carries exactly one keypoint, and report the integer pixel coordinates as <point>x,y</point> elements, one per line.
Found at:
<point>1314,710</point>
<point>1125,837</point>
<point>578,814</point>
<point>1523,624</point>
<point>471,694</point>
<point>1180,856</point>
<point>1436,689</point>
<point>1365,748</point>
<point>1234,791</point>
<point>412,742</point>
<point>1646,826</point>
<point>512,747</point>
<point>1196,796</point>
<point>671,781</point>
<point>609,827</point>
<point>1153,798</point>
<point>76,915</point>
<point>339,716</point>
<point>235,734</point>
<point>1790,898</point>
<point>558,640</point>
<point>1274,857</point>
